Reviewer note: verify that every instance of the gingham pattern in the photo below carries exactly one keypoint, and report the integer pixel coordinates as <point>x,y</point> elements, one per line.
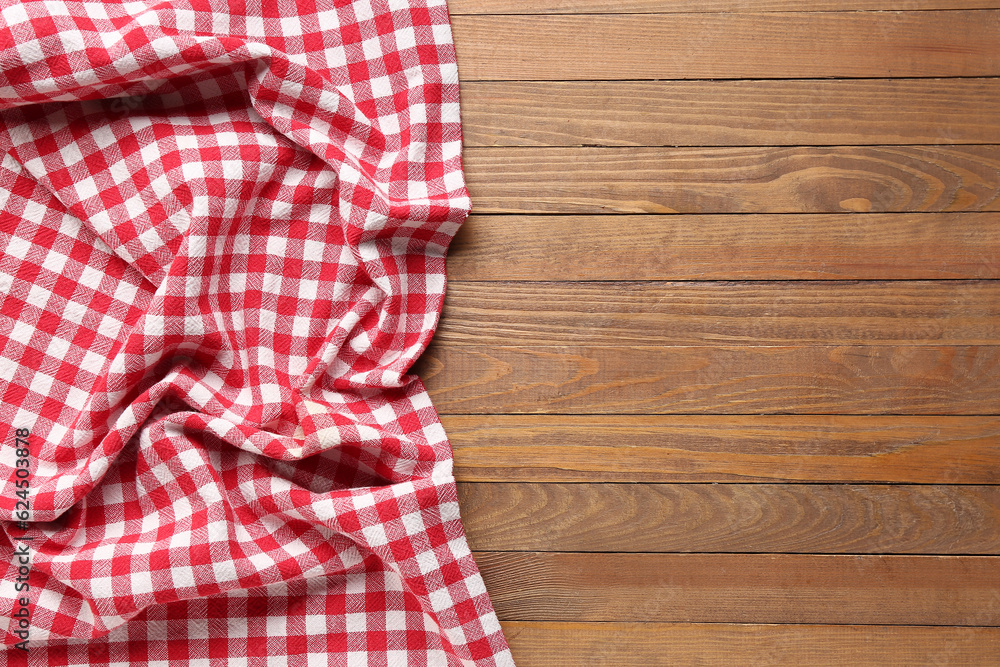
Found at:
<point>223,228</point>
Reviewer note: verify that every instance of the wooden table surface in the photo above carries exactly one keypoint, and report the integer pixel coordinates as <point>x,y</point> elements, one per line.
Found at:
<point>720,358</point>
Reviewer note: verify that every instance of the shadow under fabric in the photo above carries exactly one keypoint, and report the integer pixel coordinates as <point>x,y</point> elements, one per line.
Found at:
<point>224,229</point>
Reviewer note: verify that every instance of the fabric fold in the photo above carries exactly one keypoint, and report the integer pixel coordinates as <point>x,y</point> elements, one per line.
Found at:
<point>224,230</point>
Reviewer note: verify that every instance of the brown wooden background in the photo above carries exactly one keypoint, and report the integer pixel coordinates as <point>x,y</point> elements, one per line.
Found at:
<point>720,359</point>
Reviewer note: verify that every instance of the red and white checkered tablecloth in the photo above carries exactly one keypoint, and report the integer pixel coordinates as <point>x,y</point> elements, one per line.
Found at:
<point>223,229</point>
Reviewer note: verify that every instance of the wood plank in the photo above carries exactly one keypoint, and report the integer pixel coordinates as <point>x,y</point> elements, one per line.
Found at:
<point>859,179</point>
<point>778,45</point>
<point>464,7</point>
<point>720,380</point>
<point>744,588</point>
<point>737,518</point>
<point>560,644</point>
<point>731,113</point>
<point>704,313</point>
<point>722,448</point>
<point>882,246</point>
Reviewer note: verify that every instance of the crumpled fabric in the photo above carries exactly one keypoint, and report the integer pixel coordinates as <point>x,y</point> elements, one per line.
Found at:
<point>224,228</point>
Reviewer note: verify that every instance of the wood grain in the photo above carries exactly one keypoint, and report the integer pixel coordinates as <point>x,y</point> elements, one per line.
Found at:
<point>742,588</point>
<point>731,113</point>
<point>723,448</point>
<point>463,7</point>
<point>729,46</point>
<point>631,454</point>
<point>858,179</point>
<point>724,313</point>
<point>720,380</point>
<point>560,644</point>
<point>737,518</point>
<point>884,246</point>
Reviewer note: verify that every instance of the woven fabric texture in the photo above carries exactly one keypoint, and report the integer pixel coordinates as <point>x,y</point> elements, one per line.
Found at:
<point>224,228</point>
